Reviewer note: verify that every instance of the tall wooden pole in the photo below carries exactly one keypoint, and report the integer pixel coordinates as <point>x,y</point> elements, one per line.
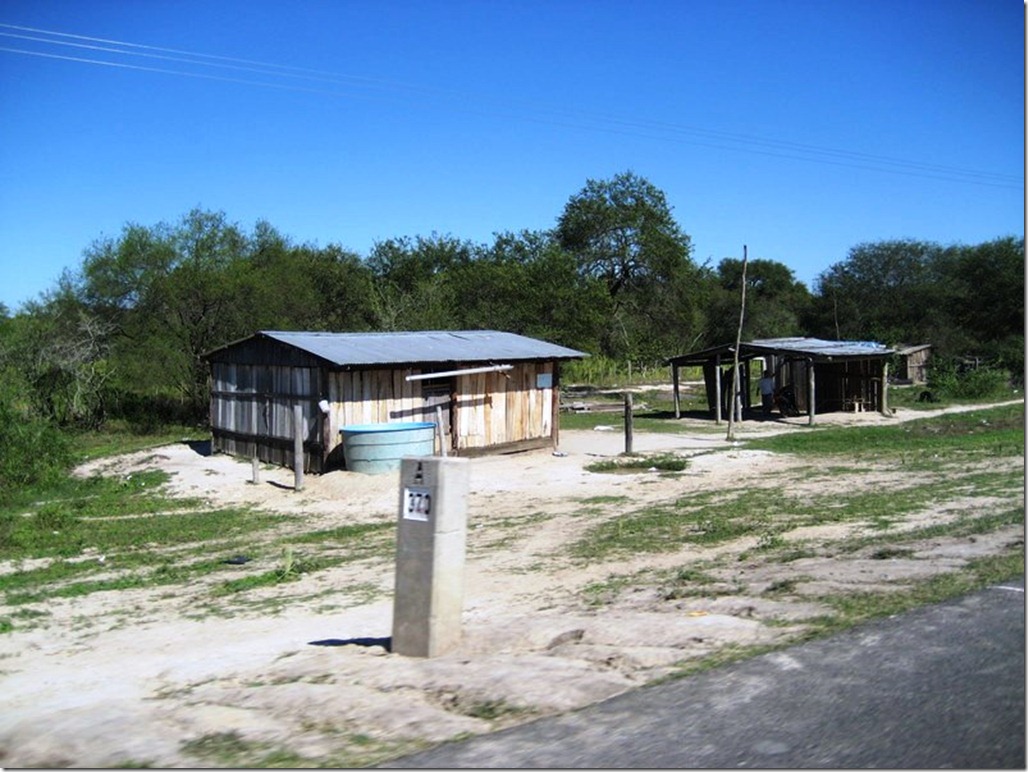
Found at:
<point>717,388</point>
<point>675,385</point>
<point>885,390</point>
<point>738,343</point>
<point>628,422</point>
<point>811,392</point>
<point>298,432</point>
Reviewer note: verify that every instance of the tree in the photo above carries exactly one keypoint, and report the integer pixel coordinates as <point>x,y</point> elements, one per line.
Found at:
<point>525,283</point>
<point>985,286</point>
<point>170,293</point>
<point>887,291</point>
<point>621,232</point>
<point>55,354</point>
<point>412,290</point>
<point>961,299</point>
<point>775,307</point>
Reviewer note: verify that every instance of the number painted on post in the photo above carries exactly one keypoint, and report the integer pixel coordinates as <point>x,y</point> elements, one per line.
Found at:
<point>417,504</point>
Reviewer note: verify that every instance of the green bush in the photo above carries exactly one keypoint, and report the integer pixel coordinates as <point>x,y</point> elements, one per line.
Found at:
<point>32,452</point>
<point>951,380</point>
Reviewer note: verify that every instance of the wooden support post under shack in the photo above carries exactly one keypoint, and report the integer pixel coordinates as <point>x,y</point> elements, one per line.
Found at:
<point>298,432</point>
<point>717,382</point>
<point>628,423</point>
<point>811,392</point>
<point>675,382</point>
<point>885,389</point>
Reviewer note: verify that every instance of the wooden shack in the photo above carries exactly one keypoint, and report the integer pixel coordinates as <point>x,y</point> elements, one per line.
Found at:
<point>912,363</point>
<point>826,376</point>
<point>493,391</point>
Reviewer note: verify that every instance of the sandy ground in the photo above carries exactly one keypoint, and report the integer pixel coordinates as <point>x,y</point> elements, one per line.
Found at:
<point>300,673</point>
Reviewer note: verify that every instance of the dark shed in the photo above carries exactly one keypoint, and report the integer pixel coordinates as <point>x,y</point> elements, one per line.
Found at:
<point>825,375</point>
<point>493,390</point>
<point>912,364</point>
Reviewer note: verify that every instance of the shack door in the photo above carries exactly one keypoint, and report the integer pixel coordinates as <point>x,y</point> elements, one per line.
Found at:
<point>438,393</point>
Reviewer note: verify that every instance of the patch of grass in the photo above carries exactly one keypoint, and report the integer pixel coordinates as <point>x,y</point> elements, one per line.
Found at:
<point>890,552</point>
<point>291,569</point>
<point>992,432</point>
<point>345,534</point>
<point>657,417</point>
<point>352,750</point>
<point>702,519</point>
<point>221,747</point>
<point>119,437</point>
<point>484,709</point>
<point>854,608</point>
<point>664,462</point>
<point>606,592</point>
<point>692,582</point>
<point>604,499</point>
<point>783,586</point>
<point>717,517</point>
<point>142,534</point>
<point>966,525</point>
<point>491,710</point>
<point>725,655</point>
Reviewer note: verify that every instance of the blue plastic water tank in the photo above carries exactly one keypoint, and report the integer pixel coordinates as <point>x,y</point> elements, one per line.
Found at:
<point>378,448</point>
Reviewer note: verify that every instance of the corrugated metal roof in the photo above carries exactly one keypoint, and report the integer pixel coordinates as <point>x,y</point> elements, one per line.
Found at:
<point>803,347</point>
<point>347,349</point>
<point>818,347</point>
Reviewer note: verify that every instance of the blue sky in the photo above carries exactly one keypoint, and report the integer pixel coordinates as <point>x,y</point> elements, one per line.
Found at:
<point>800,129</point>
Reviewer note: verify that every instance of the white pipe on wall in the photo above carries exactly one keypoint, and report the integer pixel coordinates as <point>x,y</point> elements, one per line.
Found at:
<point>469,371</point>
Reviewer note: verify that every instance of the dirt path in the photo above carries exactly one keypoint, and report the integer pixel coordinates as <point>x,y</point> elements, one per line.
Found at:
<point>149,677</point>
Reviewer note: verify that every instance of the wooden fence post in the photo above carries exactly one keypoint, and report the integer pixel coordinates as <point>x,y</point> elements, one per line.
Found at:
<point>298,432</point>
<point>628,422</point>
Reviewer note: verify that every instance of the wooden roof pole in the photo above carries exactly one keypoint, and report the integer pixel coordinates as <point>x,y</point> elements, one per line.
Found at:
<point>811,392</point>
<point>735,359</point>
<point>717,389</point>
<point>674,381</point>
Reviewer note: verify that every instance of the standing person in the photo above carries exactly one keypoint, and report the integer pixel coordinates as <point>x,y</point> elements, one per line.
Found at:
<point>767,391</point>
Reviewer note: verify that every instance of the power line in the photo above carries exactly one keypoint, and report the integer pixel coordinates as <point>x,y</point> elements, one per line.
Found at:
<point>208,64</point>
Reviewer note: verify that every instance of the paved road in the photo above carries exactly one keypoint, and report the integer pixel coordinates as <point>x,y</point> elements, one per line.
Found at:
<point>942,686</point>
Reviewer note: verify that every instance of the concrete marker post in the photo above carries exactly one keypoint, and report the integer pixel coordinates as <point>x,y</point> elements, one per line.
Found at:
<point>431,535</point>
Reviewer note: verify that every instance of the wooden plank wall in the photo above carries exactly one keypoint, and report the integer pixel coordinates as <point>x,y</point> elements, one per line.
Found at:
<point>252,407</point>
<point>252,411</point>
<point>838,384</point>
<point>371,397</point>
<point>501,408</point>
<point>491,408</point>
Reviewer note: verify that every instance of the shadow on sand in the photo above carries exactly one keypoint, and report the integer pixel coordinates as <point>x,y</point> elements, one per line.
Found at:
<point>385,643</point>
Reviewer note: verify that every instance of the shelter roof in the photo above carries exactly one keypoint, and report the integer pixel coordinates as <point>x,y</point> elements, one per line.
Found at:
<point>800,348</point>
<point>907,350</point>
<point>350,349</point>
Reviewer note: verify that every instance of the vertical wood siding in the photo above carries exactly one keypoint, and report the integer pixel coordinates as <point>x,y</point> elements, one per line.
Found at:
<point>252,407</point>
<point>502,408</point>
<point>252,411</point>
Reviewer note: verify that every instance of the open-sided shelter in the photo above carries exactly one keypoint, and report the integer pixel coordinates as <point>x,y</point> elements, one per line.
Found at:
<point>826,375</point>
<point>493,391</point>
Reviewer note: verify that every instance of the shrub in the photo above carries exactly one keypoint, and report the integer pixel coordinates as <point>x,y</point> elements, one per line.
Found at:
<point>952,380</point>
<point>32,451</point>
